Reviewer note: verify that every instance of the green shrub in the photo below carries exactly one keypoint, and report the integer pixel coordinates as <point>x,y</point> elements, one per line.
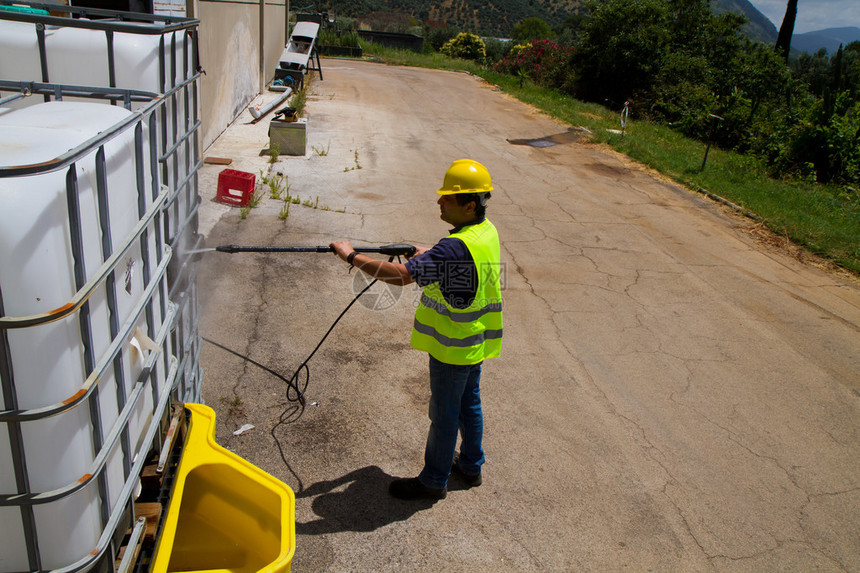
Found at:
<point>466,46</point>
<point>348,39</point>
<point>497,49</point>
<point>532,28</point>
<point>544,61</point>
<point>438,37</point>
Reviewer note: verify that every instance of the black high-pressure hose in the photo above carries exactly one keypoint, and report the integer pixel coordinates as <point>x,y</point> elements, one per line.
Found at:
<point>295,389</point>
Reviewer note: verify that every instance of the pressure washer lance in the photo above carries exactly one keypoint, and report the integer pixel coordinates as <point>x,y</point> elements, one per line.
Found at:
<point>396,250</point>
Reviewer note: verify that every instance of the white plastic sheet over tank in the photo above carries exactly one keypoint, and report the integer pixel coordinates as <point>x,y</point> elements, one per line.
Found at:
<point>48,366</point>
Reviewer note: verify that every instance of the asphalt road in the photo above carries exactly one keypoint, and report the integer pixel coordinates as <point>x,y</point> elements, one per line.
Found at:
<point>674,394</point>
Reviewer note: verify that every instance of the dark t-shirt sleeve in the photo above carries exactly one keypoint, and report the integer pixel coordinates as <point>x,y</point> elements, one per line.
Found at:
<point>450,264</point>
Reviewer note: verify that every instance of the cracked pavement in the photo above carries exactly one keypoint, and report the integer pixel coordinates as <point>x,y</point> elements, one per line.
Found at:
<point>673,394</point>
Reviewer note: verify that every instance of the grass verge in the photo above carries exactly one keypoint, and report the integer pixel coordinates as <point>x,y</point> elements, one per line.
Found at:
<point>823,219</point>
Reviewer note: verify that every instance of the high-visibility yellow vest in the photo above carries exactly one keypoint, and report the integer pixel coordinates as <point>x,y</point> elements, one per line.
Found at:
<point>469,335</point>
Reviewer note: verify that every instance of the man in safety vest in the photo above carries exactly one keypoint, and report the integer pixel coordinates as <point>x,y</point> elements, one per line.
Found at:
<point>458,323</point>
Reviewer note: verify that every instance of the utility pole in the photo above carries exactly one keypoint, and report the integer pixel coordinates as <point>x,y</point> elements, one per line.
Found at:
<point>786,31</point>
<point>714,120</point>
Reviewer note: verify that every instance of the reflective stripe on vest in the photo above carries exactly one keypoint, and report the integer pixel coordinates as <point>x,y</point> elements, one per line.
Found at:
<point>459,316</point>
<point>458,342</point>
<point>473,334</point>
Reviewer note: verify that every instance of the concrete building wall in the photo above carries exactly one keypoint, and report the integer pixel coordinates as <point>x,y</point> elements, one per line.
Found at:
<point>240,43</point>
<point>274,28</point>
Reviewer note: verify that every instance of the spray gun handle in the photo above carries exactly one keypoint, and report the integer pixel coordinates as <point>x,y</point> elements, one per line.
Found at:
<point>395,250</point>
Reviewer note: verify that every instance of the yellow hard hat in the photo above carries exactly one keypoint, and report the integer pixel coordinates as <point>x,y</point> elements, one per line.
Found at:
<point>466,176</point>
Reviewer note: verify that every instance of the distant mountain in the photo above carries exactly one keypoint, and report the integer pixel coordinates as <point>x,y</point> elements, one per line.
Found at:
<point>829,39</point>
<point>497,18</point>
<point>759,27</point>
<point>485,17</point>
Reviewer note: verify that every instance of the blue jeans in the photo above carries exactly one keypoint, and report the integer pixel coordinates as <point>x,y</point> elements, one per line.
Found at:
<point>455,405</point>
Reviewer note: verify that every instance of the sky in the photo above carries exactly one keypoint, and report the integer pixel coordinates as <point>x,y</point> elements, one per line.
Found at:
<point>813,14</point>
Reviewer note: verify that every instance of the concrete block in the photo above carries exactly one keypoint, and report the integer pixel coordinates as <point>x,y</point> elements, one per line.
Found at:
<point>289,137</point>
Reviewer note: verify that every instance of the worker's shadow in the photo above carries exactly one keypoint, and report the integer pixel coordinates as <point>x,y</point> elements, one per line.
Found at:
<point>365,504</point>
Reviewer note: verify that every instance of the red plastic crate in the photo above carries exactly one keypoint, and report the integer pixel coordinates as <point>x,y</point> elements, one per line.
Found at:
<point>235,187</point>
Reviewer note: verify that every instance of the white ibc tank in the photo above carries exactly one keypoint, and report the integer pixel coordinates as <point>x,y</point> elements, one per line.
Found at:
<point>37,275</point>
<point>136,56</point>
<point>137,66</point>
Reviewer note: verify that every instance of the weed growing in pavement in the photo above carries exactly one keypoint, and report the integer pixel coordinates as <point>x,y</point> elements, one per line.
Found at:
<point>278,184</point>
<point>254,201</point>
<point>234,404</point>
<point>357,164</point>
<point>287,185</point>
<point>274,188</point>
<point>279,189</point>
<point>313,204</point>
<point>299,100</point>
<point>320,151</point>
<point>274,152</point>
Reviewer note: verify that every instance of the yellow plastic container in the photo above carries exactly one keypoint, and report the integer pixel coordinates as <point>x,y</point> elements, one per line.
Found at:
<point>225,514</point>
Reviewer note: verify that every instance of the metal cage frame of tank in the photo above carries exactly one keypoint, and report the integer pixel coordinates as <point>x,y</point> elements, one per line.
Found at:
<point>174,226</point>
<point>177,85</point>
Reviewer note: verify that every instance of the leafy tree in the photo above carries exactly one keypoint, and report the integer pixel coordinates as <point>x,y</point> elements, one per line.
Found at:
<point>852,69</point>
<point>674,58</point>
<point>761,76</point>
<point>570,31</point>
<point>497,49</point>
<point>823,145</point>
<point>531,29</point>
<point>573,22</point>
<point>621,49</point>
<point>813,70</point>
<point>467,46</point>
<point>437,37</point>
<point>824,140</point>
